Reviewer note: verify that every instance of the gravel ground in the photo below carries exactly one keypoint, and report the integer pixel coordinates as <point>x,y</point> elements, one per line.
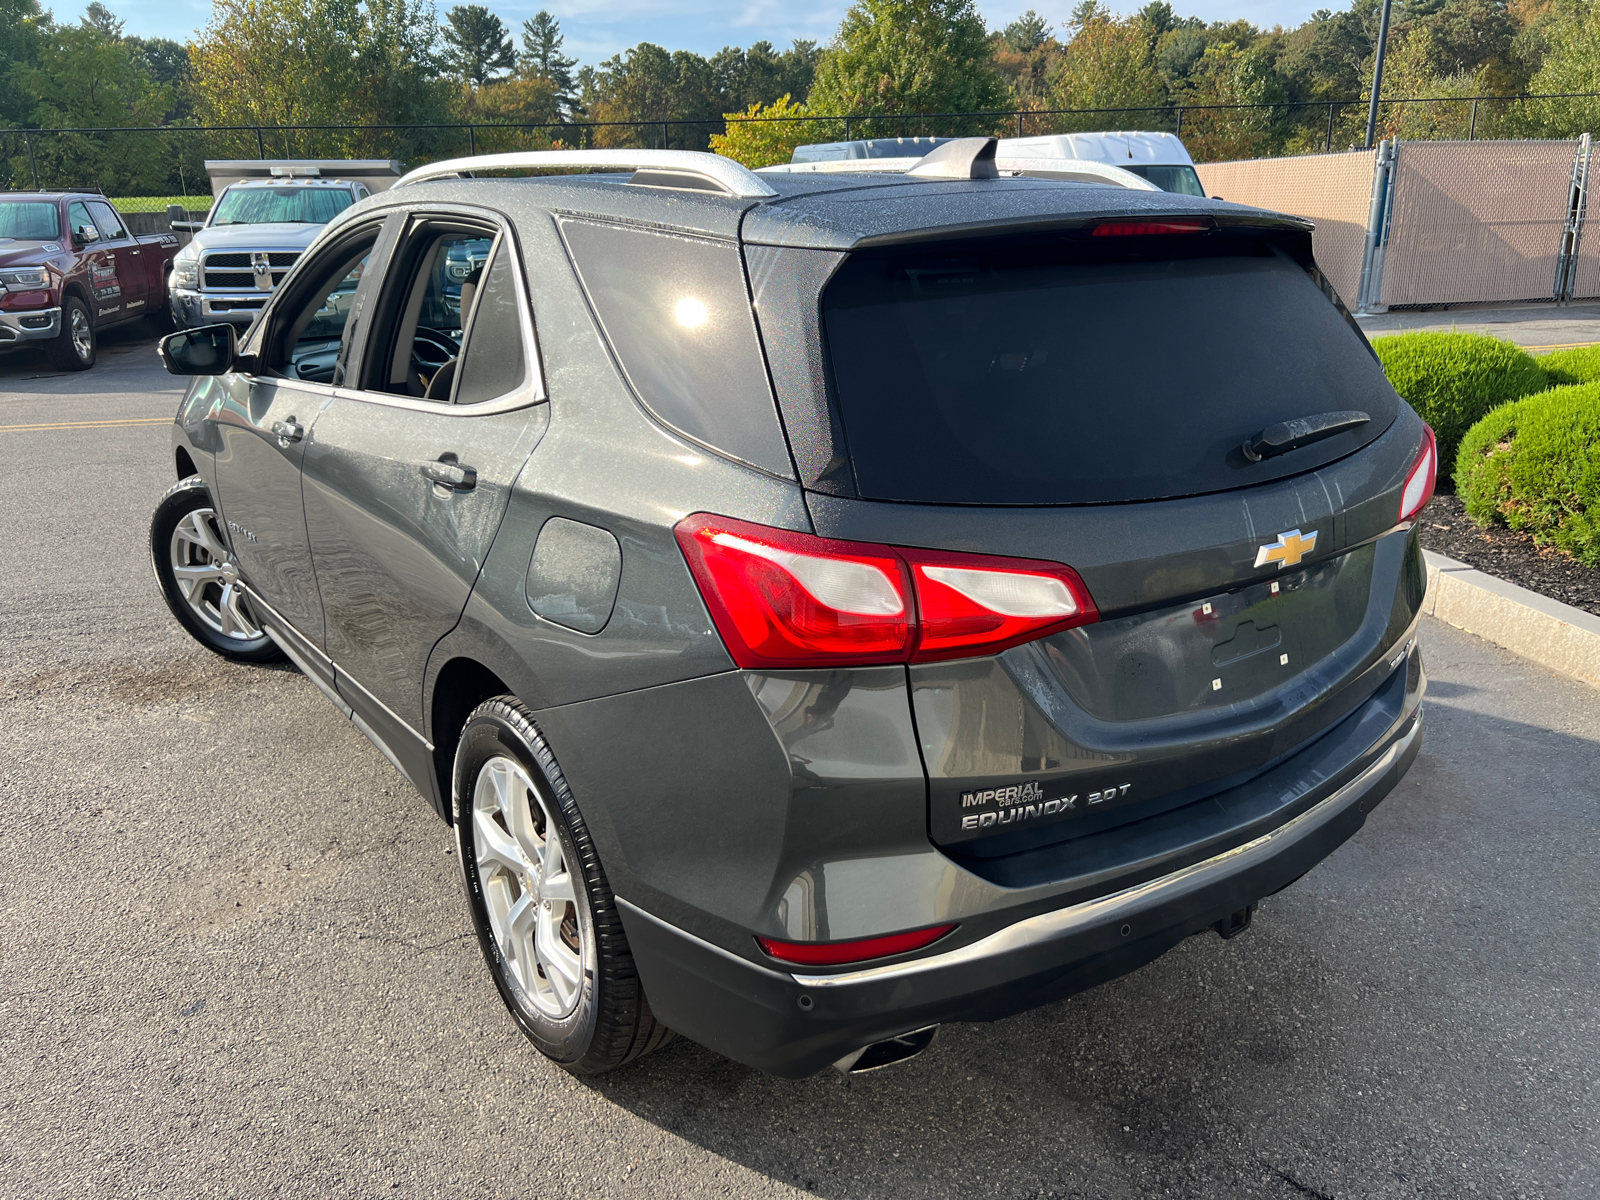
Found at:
<point>1513,556</point>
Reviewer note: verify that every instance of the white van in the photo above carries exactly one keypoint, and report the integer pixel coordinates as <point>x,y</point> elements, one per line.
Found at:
<point>1158,157</point>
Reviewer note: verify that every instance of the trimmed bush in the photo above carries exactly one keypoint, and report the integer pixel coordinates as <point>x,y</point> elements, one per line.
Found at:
<point>1572,366</point>
<point>1453,379</point>
<point>1535,465</point>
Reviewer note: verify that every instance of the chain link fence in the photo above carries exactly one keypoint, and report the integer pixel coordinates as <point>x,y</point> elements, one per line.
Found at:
<point>161,165</point>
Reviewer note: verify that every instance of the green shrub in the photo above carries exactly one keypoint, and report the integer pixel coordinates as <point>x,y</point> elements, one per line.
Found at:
<point>1535,465</point>
<point>1572,366</point>
<point>1453,379</point>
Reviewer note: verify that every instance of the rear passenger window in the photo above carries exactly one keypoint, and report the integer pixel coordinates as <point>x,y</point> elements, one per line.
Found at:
<point>493,361</point>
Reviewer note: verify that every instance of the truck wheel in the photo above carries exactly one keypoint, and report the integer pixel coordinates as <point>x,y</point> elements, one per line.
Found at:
<point>546,919</point>
<point>198,579</point>
<point>74,348</point>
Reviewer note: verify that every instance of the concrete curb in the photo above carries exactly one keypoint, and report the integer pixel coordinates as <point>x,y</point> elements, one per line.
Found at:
<point>1552,634</point>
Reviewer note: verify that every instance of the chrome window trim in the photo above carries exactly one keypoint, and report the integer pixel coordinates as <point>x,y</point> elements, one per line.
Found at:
<point>1059,923</point>
<point>532,390</point>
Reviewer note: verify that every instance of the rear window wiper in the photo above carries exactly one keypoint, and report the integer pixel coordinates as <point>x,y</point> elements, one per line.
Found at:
<point>1302,431</point>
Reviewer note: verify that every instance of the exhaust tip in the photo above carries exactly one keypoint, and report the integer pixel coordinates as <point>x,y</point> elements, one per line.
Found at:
<point>886,1053</point>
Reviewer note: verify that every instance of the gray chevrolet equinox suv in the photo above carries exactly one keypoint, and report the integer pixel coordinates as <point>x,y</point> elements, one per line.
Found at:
<point>823,606</point>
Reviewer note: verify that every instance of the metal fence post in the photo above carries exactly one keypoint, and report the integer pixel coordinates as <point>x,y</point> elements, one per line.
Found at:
<point>666,137</point>
<point>1328,145</point>
<point>1019,124</point>
<point>32,167</point>
<point>472,139</point>
<point>1179,132</point>
<point>261,144</point>
<point>1472,127</point>
<point>1371,288</point>
<point>1572,231</point>
<point>847,129</point>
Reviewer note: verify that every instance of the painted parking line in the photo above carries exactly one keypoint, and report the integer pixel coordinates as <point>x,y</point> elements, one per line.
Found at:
<point>1560,346</point>
<point>41,426</point>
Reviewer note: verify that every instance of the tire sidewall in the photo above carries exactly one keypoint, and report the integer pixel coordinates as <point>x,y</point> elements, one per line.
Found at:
<point>63,354</point>
<point>181,500</point>
<point>490,735</point>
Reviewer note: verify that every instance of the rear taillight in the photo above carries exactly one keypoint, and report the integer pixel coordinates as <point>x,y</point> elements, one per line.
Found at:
<point>975,604</point>
<point>1421,478</point>
<point>1138,228</point>
<point>833,954</point>
<point>784,599</point>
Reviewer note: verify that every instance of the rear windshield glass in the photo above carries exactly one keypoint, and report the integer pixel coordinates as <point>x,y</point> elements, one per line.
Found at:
<point>29,221</point>
<point>295,205</point>
<point>1065,372</point>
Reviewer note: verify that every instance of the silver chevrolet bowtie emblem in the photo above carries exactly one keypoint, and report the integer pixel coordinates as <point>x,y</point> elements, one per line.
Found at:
<point>261,264</point>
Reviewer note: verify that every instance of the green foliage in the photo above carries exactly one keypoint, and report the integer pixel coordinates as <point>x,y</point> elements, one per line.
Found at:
<point>1581,365</point>
<point>762,143</point>
<point>1535,466</point>
<point>1453,379</point>
<point>1108,64</point>
<point>477,46</point>
<point>541,58</point>
<point>908,56</point>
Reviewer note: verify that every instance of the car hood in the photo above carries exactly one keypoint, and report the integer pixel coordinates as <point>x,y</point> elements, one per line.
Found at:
<point>257,237</point>
<point>25,252</point>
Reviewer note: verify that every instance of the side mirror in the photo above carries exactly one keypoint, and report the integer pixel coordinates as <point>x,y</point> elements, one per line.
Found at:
<point>84,234</point>
<point>187,226</point>
<point>175,213</point>
<point>209,350</point>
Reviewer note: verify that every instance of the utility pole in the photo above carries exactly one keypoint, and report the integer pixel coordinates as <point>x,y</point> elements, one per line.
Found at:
<point>1377,74</point>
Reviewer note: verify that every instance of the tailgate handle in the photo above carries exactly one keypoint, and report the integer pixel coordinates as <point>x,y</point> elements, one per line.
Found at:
<point>1302,431</point>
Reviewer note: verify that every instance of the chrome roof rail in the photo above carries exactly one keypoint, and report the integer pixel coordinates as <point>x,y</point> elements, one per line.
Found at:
<point>727,176</point>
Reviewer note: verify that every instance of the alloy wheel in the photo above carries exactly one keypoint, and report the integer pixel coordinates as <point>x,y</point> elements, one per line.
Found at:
<point>82,336</point>
<point>208,578</point>
<point>528,889</point>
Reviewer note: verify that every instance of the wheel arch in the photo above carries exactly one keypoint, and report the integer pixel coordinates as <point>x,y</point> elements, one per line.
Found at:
<point>461,685</point>
<point>74,287</point>
<point>185,464</point>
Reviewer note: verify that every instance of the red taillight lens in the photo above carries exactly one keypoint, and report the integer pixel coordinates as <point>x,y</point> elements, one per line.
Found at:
<point>977,604</point>
<point>1421,478</point>
<point>783,599</point>
<point>833,954</point>
<point>1136,228</point>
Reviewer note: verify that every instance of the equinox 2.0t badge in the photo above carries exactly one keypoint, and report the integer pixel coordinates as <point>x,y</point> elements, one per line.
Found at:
<point>1288,550</point>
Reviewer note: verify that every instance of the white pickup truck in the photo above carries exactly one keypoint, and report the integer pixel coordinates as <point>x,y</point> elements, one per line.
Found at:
<point>266,213</point>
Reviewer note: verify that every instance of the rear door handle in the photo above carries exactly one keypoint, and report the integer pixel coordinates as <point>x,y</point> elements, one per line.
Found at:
<point>450,474</point>
<point>288,432</point>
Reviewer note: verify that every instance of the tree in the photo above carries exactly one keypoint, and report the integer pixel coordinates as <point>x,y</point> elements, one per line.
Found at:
<point>306,62</point>
<point>24,27</point>
<point>1108,64</point>
<point>166,62</point>
<point>762,143</point>
<point>542,58</point>
<point>646,86</point>
<point>477,45</point>
<point>98,16</point>
<point>908,56</point>
<point>1027,33</point>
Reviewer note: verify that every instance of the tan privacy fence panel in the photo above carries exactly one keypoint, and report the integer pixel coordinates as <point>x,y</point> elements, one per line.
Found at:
<point>1476,221</point>
<point>1334,190</point>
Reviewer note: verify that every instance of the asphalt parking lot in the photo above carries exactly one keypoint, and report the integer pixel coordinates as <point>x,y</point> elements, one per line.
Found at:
<point>234,958</point>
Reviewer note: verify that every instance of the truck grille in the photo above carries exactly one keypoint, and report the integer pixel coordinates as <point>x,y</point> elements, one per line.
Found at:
<point>233,270</point>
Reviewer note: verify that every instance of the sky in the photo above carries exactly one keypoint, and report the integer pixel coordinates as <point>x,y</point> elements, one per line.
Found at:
<point>597,29</point>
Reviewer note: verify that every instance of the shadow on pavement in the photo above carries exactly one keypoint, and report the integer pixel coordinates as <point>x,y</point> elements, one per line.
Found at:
<point>1413,1016</point>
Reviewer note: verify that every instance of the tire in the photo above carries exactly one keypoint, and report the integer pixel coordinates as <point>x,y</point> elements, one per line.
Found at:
<point>194,566</point>
<point>75,347</point>
<point>562,966</point>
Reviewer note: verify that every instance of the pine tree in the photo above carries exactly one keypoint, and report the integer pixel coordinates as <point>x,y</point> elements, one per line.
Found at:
<point>541,58</point>
<point>477,45</point>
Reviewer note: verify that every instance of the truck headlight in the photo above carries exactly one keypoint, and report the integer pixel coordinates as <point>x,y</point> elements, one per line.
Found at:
<point>25,277</point>
<point>185,271</point>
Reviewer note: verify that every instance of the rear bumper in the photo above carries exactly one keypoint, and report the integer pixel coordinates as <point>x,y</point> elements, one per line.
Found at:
<point>794,1024</point>
<point>36,326</point>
